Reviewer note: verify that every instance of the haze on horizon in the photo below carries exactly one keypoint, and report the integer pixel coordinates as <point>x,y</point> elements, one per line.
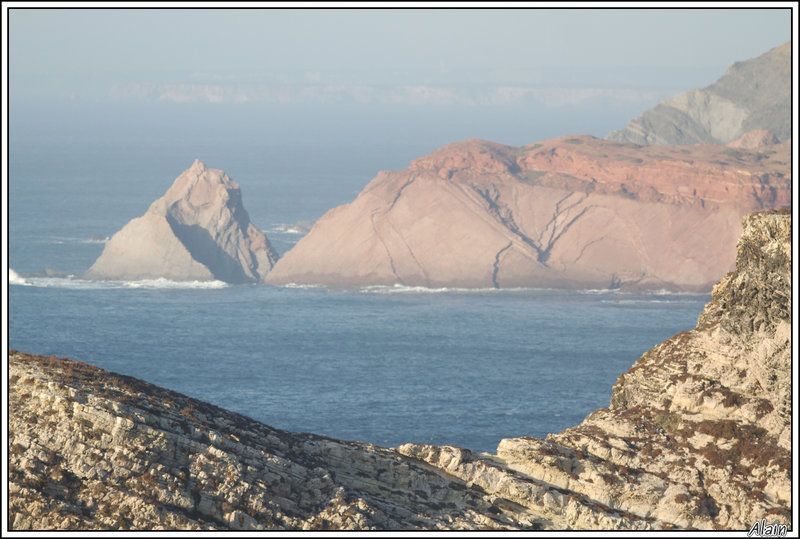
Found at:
<point>592,68</point>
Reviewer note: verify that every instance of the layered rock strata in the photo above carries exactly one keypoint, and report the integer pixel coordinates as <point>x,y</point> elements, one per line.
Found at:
<point>199,230</point>
<point>753,94</point>
<point>573,212</point>
<point>698,435</point>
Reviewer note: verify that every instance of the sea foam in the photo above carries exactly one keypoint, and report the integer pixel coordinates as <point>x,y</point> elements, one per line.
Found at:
<point>14,278</point>
<point>74,283</point>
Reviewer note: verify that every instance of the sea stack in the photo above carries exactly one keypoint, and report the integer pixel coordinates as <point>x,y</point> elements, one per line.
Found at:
<point>575,212</point>
<point>199,230</point>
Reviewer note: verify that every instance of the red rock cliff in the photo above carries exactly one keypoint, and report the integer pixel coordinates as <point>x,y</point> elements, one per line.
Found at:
<point>573,212</point>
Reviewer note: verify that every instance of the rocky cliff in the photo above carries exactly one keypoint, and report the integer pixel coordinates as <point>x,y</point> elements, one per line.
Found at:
<point>753,94</point>
<point>199,230</point>
<point>573,212</point>
<point>697,436</point>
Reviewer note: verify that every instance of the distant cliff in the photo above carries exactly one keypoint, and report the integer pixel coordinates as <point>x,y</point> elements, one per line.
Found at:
<point>199,230</point>
<point>572,212</point>
<point>698,435</point>
<point>753,94</point>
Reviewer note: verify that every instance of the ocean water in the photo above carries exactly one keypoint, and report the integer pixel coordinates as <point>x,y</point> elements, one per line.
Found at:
<point>385,365</point>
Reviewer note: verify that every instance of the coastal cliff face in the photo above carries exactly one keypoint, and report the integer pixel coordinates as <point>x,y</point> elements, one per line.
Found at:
<point>199,230</point>
<point>753,94</point>
<point>573,212</point>
<point>697,435</point>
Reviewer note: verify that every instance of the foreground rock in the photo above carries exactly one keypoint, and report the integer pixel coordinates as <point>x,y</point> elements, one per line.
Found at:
<point>754,94</point>
<point>697,436</point>
<point>698,433</point>
<point>573,212</point>
<point>199,230</point>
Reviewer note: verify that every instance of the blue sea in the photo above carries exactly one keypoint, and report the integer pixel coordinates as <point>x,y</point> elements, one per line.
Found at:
<point>385,365</point>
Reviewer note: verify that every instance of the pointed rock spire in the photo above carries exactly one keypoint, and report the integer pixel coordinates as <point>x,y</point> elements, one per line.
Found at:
<point>199,230</point>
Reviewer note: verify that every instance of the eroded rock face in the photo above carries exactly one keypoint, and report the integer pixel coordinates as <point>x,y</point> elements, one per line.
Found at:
<point>573,212</point>
<point>753,94</point>
<point>757,138</point>
<point>199,230</point>
<point>94,450</point>
<point>698,435</point>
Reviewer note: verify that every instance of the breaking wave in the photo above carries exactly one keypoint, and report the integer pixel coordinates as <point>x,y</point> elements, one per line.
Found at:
<point>604,295</point>
<point>403,289</point>
<point>60,240</point>
<point>300,228</point>
<point>14,278</point>
<point>74,283</point>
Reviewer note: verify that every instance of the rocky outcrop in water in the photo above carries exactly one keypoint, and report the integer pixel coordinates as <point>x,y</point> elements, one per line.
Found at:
<point>698,435</point>
<point>573,212</point>
<point>199,230</point>
<point>753,94</point>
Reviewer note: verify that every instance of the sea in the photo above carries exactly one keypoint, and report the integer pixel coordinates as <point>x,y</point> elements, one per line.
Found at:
<point>385,365</point>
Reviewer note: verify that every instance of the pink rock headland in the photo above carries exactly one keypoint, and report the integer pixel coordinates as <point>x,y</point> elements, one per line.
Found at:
<point>573,212</point>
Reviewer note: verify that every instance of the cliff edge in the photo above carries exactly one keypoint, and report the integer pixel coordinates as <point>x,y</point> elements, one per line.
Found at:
<point>199,230</point>
<point>697,436</point>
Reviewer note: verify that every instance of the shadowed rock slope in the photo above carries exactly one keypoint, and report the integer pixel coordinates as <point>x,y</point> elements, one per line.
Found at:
<point>753,94</point>
<point>697,435</point>
<point>572,212</point>
<point>199,230</point>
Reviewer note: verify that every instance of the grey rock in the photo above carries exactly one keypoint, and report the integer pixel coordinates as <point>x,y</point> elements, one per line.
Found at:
<point>753,94</point>
<point>199,230</point>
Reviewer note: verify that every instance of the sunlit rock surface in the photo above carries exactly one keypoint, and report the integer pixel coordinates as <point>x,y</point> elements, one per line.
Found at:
<point>199,230</point>
<point>573,212</point>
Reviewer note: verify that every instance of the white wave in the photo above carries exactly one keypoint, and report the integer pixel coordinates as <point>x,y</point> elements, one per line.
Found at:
<point>14,278</point>
<point>60,240</point>
<point>287,230</point>
<point>96,240</point>
<point>74,283</point>
<point>403,289</point>
<point>297,228</point>
<point>659,293</point>
<point>597,291</point>
<point>665,292</point>
<point>302,286</point>
<point>166,283</point>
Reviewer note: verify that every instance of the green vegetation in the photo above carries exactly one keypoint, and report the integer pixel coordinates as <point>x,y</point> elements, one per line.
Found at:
<point>668,421</point>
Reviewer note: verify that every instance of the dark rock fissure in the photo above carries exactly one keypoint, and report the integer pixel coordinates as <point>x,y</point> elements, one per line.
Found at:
<point>497,264</point>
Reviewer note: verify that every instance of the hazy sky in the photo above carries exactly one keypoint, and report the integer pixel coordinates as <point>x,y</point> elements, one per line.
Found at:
<point>80,51</point>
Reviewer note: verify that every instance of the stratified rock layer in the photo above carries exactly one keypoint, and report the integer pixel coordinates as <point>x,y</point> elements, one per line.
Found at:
<point>697,435</point>
<point>753,94</point>
<point>199,230</point>
<point>573,212</point>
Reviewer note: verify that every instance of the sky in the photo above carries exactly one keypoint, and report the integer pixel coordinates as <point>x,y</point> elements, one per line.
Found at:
<point>58,53</point>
